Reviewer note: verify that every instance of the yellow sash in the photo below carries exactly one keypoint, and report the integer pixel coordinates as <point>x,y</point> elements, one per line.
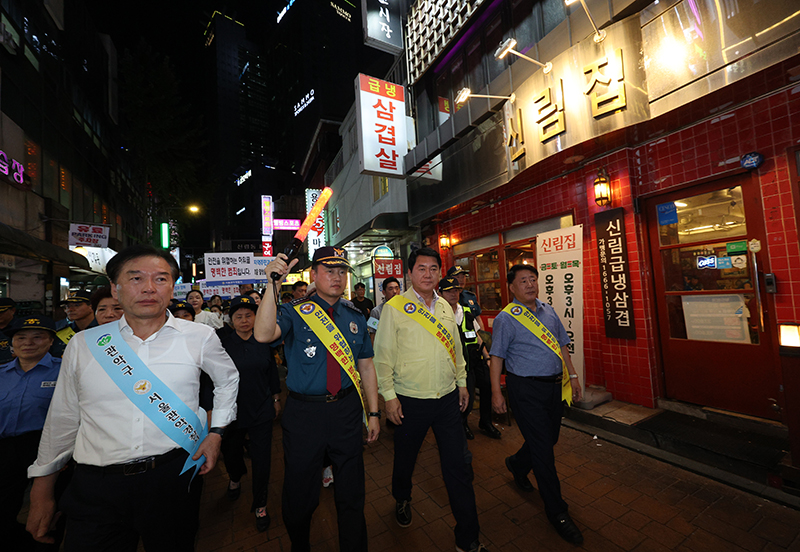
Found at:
<point>66,333</point>
<point>427,321</point>
<point>331,336</point>
<point>524,316</point>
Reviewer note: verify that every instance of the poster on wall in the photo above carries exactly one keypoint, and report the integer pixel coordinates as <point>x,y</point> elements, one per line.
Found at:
<point>615,280</point>
<point>559,255</point>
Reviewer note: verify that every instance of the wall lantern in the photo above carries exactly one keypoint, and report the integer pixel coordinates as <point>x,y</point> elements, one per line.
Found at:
<point>465,93</point>
<point>444,242</point>
<point>789,335</point>
<point>599,35</point>
<point>507,47</point>
<point>602,188</point>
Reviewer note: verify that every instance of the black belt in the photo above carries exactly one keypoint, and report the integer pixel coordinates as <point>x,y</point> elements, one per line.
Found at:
<point>547,379</point>
<point>137,466</point>
<point>323,398</point>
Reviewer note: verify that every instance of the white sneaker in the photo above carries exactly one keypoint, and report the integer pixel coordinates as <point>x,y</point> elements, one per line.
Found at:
<point>327,476</point>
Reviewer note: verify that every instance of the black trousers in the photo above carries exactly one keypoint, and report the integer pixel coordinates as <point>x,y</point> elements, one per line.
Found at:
<point>478,376</point>
<point>16,454</point>
<point>110,512</point>
<point>260,454</point>
<point>538,408</point>
<point>311,429</point>
<point>444,416</point>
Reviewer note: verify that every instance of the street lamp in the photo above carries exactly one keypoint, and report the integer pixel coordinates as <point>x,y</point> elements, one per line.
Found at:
<point>599,35</point>
<point>507,46</point>
<point>194,208</point>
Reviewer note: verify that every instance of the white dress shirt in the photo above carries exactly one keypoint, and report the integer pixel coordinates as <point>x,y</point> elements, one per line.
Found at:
<point>209,319</point>
<point>92,420</point>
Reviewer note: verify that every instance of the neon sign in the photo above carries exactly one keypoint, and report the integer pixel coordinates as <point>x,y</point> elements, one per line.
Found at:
<point>245,176</point>
<point>282,13</point>
<point>303,103</point>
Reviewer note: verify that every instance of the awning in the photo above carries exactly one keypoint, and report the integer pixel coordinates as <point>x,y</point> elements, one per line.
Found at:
<point>16,242</point>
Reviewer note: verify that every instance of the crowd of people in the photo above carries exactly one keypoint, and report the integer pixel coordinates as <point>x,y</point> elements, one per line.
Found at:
<point>114,414</point>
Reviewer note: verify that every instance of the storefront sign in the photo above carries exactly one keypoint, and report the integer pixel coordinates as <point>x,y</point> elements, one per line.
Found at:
<point>12,172</point>
<point>380,119</point>
<point>243,178</point>
<point>591,90</point>
<point>88,235</point>
<point>615,280</point>
<point>383,269</point>
<point>559,254</point>
<point>266,215</point>
<point>304,102</point>
<point>229,268</point>
<point>383,26</point>
<point>286,224</point>
<point>316,236</point>
<point>266,248</point>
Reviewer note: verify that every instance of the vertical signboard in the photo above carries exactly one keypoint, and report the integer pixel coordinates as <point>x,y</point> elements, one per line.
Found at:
<point>316,236</point>
<point>559,255</point>
<point>381,123</point>
<point>615,280</point>
<point>266,215</point>
<point>383,26</point>
<point>383,269</point>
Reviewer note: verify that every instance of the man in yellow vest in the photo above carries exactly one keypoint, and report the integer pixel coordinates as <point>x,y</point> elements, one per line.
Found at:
<point>78,307</point>
<point>530,339</point>
<point>422,377</point>
<point>329,356</point>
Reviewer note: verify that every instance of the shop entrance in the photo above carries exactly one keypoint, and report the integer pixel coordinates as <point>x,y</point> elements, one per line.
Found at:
<point>715,324</point>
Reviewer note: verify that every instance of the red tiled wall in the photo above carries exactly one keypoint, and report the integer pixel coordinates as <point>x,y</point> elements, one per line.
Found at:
<point>629,368</point>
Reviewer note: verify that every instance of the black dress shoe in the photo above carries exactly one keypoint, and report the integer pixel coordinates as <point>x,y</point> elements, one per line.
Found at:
<point>567,529</point>
<point>490,431</point>
<point>522,481</point>
<point>233,494</point>
<point>402,513</point>
<point>262,522</point>
<point>468,432</point>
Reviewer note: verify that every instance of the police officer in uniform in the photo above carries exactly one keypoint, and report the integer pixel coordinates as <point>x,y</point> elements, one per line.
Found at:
<point>476,356</point>
<point>26,387</point>
<point>8,309</point>
<point>323,413</point>
<point>81,316</point>
<point>467,298</point>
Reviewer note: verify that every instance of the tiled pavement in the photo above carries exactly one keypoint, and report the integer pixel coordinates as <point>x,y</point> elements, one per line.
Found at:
<point>621,499</point>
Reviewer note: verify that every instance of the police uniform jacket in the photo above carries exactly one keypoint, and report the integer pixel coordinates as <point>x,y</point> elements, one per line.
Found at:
<point>25,396</point>
<point>306,356</point>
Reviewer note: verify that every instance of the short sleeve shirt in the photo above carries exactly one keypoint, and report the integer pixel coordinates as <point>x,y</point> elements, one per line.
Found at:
<point>306,356</point>
<point>524,354</point>
<point>25,396</point>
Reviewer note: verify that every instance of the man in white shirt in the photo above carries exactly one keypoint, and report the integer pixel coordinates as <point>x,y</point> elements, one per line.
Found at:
<point>129,481</point>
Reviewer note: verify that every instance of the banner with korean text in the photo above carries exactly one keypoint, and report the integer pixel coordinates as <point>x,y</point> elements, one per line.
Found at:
<point>210,289</point>
<point>615,278</point>
<point>559,257</point>
<point>229,268</point>
<point>381,123</point>
<point>88,235</point>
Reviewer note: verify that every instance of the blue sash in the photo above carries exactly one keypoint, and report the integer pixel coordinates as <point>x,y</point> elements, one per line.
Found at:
<point>150,395</point>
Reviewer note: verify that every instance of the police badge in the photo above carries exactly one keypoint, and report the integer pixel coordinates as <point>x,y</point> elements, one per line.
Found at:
<point>353,327</point>
<point>310,351</point>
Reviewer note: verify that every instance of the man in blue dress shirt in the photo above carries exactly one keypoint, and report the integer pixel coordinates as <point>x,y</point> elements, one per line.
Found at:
<point>534,377</point>
<point>26,387</point>
<point>323,413</point>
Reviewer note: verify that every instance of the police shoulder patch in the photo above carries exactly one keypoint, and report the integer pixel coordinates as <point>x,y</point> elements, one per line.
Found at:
<point>301,300</point>
<point>351,306</point>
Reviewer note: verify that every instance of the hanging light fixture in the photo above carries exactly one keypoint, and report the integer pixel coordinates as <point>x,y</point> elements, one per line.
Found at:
<point>444,241</point>
<point>602,188</point>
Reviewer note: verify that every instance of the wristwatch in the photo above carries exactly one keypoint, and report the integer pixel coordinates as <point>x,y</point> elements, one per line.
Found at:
<point>218,430</point>
<point>374,414</point>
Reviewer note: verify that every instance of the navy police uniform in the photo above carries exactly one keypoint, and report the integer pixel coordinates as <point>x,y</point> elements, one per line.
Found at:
<point>315,423</point>
<point>467,298</point>
<point>24,400</point>
<point>66,330</point>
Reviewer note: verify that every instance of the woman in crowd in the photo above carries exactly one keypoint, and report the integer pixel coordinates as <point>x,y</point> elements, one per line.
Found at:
<point>195,299</point>
<point>106,308</point>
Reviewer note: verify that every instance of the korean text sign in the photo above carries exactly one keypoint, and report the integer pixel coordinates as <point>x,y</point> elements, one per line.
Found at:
<point>559,257</point>
<point>615,280</point>
<point>382,24</point>
<point>229,267</point>
<point>381,122</point>
<point>88,235</point>
<point>383,269</point>
<point>316,236</point>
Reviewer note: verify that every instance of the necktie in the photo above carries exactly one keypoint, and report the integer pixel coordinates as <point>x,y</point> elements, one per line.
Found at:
<point>334,379</point>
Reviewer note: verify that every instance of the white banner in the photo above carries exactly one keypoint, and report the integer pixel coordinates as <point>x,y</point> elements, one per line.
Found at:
<point>229,267</point>
<point>224,291</point>
<point>559,256</point>
<point>381,123</point>
<point>88,235</point>
<point>180,291</point>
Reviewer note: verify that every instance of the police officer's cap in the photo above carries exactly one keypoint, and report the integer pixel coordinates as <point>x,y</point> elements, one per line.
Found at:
<point>33,322</point>
<point>7,303</point>
<point>243,301</point>
<point>448,283</point>
<point>181,305</point>
<point>456,270</point>
<point>331,257</point>
<point>78,297</point>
